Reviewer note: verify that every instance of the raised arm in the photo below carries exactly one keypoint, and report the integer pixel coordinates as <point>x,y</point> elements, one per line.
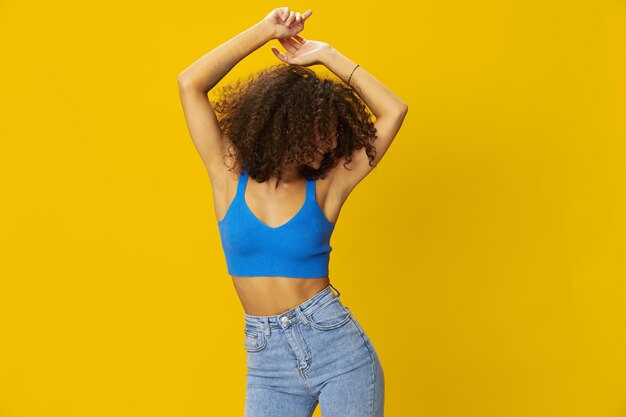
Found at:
<point>200,77</point>
<point>380,99</point>
<point>388,108</point>
<point>209,69</point>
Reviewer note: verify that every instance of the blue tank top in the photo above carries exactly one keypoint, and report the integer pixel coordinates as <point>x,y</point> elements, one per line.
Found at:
<point>299,248</point>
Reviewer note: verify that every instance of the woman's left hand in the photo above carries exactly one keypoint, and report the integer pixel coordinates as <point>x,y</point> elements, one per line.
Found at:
<point>286,23</point>
<point>300,51</point>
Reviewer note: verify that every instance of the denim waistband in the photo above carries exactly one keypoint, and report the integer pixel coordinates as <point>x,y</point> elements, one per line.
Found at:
<point>285,318</point>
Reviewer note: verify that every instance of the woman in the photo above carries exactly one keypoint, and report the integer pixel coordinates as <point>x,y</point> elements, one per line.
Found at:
<point>307,142</point>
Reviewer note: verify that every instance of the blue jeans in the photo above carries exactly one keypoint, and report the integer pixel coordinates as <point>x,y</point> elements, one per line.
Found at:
<point>316,352</point>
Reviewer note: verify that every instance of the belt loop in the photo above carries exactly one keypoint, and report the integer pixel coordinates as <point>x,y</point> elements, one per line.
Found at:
<point>338,293</point>
<point>301,315</point>
<point>267,326</point>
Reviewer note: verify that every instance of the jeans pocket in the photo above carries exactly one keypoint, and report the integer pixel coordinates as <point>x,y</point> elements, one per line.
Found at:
<point>329,316</point>
<point>255,340</point>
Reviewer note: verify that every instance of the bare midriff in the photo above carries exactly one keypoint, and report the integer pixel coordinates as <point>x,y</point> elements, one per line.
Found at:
<point>270,296</point>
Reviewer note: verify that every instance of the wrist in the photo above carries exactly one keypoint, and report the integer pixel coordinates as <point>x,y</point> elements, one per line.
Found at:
<point>266,30</point>
<point>339,64</point>
<point>329,54</point>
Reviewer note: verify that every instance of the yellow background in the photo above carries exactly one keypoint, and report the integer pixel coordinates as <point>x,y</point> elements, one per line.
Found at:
<point>485,256</point>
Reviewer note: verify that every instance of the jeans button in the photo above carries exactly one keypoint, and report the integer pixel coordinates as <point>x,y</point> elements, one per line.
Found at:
<point>284,319</point>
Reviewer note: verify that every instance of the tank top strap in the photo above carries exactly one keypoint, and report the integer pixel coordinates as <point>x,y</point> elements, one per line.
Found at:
<point>241,184</point>
<point>310,190</point>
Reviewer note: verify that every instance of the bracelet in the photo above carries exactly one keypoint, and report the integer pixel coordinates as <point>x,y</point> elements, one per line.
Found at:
<point>352,73</point>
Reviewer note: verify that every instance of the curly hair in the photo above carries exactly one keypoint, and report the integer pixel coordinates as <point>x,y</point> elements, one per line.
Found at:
<point>273,116</point>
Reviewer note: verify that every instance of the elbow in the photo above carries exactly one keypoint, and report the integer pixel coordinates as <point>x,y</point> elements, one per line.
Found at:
<point>182,80</point>
<point>186,83</point>
<point>401,110</point>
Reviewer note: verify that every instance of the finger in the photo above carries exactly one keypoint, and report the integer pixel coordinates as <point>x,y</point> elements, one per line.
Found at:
<point>298,18</point>
<point>289,20</point>
<point>288,46</point>
<point>300,39</point>
<point>306,14</point>
<point>281,13</point>
<point>293,44</point>
<point>280,56</point>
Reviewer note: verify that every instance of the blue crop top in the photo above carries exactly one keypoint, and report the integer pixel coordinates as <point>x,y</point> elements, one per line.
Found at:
<point>299,248</point>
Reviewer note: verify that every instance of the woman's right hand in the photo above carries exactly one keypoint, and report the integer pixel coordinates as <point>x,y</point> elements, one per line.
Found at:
<point>286,23</point>
<point>304,52</point>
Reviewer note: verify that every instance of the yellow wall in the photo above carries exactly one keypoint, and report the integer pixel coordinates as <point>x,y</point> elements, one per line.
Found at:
<point>484,256</point>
